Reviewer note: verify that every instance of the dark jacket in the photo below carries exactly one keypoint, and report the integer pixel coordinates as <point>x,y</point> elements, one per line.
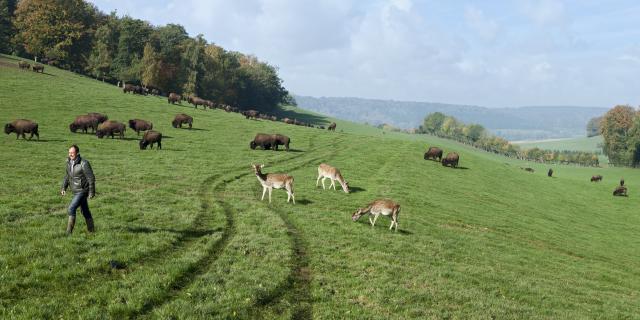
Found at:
<point>80,178</point>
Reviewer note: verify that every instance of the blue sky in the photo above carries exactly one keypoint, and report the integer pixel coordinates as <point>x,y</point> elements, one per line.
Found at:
<point>488,53</point>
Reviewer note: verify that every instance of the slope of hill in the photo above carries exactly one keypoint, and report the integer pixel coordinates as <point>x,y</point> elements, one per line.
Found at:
<point>488,240</point>
<point>591,144</point>
<point>524,123</point>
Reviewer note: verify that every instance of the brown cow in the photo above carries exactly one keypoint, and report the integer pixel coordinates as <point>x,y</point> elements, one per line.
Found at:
<point>84,123</point>
<point>434,153</point>
<point>332,127</point>
<point>150,137</point>
<point>140,125</point>
<point>173,98</point>
<point>110,128</point>
<point>180,119</point>
<point>22,126</point>
<point>596,178</point>
<point>620,191</point>
<point>451,159</point>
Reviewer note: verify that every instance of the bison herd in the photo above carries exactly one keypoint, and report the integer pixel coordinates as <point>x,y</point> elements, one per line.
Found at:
<point>435,153</point>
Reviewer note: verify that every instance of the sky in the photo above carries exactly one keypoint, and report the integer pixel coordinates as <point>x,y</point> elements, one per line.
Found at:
<point>487,53</point>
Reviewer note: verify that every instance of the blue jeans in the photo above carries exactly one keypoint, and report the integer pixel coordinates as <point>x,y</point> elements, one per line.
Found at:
<point>80,200</point>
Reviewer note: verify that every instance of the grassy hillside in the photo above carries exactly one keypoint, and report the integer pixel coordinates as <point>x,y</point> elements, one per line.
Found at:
<point>488,240</point>
<point>591,144</point>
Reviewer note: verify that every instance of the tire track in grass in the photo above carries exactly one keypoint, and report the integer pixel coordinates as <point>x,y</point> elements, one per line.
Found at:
<point>214,251</point>
<point>297,287</point>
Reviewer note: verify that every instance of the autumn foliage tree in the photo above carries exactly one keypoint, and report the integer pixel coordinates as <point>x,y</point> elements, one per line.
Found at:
<point>59,29</point>
<point>112,48</point>
<point>616,128</point>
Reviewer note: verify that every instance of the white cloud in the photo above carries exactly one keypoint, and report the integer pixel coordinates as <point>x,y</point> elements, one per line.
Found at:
<point>545,12</point>
<point>490,53</point>
<point>486,28</point>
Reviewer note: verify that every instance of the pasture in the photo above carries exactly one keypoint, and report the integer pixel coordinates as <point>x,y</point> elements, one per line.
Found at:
<point>193,239</point>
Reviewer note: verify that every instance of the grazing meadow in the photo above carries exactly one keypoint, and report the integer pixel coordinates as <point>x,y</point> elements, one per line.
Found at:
<point>181,232</point>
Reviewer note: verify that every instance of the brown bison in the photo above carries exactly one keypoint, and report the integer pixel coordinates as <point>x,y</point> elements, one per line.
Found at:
<point>110,128</point>
<point>332,126</point>
<point>434,153</point>
<point>262,140</point>
<point>173,98</point>
<point>24,65</point>
<point>180,119</point>
<point>280,139</point>
<point>22,126</point>
<point>596,178</point>
<point>149,138</point>
<point>84,123</point>
<point>620,191</point>
<point>196,101</point>
<point>451,159</point>
<point>101,117</point>
<point>270,141</point>
<point>134,89</point>
<point>550,173</point>
<point>140,125</point>
<point>37,68</point>
<point>250,114</point>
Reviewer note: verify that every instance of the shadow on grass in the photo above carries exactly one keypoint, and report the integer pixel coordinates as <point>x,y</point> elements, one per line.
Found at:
<point>189,233</point>
<point>304,202</point>
<point>194,129</point>
<point>356,189</point>
<point>48,140</point>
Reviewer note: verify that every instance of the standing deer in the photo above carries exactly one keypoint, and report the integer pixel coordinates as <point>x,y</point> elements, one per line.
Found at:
<point>327,171</point>
<point>274,180</point>
<point>378,207</point>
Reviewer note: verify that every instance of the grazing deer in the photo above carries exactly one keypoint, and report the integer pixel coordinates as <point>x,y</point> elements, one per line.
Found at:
<point>378,207</point>
<point>327,171</point>
<point>274,180</point>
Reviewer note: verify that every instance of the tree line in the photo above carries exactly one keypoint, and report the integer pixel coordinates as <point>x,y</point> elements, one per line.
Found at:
<point>448,127</point>
<point>75,35</point>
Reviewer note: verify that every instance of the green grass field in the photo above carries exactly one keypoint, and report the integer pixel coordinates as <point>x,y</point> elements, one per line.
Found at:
<point>486,241</point>
<point>591,144</point>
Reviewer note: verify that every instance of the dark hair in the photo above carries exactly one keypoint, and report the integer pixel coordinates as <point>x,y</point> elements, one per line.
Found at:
<point>75,146</point>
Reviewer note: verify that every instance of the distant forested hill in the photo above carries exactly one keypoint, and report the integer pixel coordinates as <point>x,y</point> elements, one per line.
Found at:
<point>523,123</point>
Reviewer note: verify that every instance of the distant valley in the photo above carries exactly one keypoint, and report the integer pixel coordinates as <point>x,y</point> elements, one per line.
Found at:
<point>520,123</point>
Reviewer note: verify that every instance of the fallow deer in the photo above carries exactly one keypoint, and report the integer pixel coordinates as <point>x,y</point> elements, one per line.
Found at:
<point>378,207</point>
<point>274,180</point>
<point>327,171</point>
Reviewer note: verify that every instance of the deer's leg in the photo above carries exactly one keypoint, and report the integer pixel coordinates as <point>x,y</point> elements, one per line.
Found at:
<point>333,183</point>
<point>264,190</point>
<point>323,178</point>
<point>374,220</point>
